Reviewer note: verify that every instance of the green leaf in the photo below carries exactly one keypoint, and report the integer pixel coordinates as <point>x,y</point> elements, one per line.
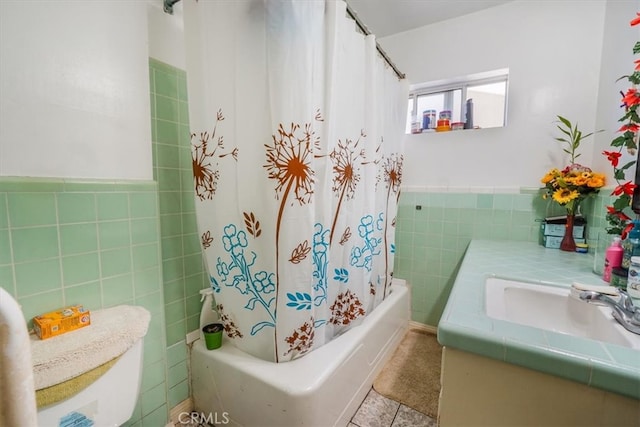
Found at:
<point>566,132</point>
<point>627,116</point>
<point>589,134</point>
<point>636,48</point>
<point>618,142</point>
<point>628,165</point>
<point>629,140</point>
<point>622,202</point>
<point>566,122</point>
<point>618,174</point>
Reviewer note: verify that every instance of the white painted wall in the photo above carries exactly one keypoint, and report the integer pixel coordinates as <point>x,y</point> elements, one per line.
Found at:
<point>553,51</point>
<point>74,85</point>
<point>166,34</point>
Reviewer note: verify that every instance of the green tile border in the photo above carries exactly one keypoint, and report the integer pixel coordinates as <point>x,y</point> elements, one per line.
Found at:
<point>163,66</point>
<point>61,185</point>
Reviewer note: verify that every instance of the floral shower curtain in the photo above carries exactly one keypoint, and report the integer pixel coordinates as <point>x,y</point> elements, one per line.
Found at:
<point>296,129</point>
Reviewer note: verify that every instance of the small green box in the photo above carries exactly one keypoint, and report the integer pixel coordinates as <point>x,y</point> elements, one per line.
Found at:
<point>553,242</point>
<point>554,226</point>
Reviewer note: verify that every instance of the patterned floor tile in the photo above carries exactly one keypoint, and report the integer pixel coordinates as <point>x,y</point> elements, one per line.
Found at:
<point>375,411</point>
<point>408,417</point>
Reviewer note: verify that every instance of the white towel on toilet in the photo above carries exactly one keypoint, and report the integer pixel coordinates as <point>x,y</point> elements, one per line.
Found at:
<point>111,333</point>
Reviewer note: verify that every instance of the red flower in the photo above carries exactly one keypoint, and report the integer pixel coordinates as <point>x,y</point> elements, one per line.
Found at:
<point>613,157</point>
<point>632,127</point>
<point>619,214</point>
<point>626,188</point>
<point>631,98</point>
<point>624,218</point>
<point>637,62</point>
<point>636,20</point>
<point>626,230</point>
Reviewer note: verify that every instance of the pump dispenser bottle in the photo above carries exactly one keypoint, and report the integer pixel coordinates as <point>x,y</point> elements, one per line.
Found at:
<point>612,258</point>
<point>207,313</point>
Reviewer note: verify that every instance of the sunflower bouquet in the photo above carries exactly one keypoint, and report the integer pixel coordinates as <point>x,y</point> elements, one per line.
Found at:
<point>571,185</point>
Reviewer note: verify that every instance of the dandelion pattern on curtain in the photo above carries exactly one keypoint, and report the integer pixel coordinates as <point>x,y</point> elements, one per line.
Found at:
<point>289,164</point>
<point>296,230</point>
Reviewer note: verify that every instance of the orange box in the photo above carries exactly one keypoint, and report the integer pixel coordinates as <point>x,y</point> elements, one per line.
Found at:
<point>60,321</point>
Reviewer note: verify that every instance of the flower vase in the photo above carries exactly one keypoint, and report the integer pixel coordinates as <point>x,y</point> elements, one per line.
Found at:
<point>568,243</point>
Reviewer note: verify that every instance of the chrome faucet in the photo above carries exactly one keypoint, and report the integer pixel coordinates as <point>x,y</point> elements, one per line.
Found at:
<point>624,311</point>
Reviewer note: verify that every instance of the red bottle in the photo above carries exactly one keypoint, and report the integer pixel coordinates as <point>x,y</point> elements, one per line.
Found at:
<point>612,258</point>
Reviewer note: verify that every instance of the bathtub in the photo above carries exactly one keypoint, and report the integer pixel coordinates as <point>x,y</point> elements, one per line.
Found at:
<point>323,388</point>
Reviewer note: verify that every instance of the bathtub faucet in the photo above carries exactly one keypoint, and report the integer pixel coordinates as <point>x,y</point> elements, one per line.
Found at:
<point>624,311</point>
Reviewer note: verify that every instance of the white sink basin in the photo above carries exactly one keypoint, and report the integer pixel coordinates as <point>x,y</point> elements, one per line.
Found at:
<point>551,308</point>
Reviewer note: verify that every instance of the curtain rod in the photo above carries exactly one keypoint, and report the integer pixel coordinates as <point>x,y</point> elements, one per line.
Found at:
<point>366,32</point>
<point>168,8</point>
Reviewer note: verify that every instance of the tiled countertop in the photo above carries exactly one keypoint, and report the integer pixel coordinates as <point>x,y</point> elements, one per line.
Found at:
<point>465,326</point>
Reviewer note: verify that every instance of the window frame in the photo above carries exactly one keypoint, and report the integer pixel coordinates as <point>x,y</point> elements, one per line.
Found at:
<point>446,88</point>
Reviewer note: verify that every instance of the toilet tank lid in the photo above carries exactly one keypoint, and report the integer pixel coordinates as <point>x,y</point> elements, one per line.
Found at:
<point>111,333</point>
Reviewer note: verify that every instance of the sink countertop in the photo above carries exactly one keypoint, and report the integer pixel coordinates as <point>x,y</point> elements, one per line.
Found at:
<point>465,326</point>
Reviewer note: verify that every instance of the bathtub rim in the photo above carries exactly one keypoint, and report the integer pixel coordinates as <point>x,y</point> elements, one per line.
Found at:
<point>313,375</point>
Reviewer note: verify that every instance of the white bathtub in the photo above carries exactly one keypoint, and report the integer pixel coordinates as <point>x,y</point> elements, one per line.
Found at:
<point>323,388</point>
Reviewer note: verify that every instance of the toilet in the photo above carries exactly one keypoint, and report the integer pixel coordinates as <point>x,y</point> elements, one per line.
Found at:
<point>111,349</point>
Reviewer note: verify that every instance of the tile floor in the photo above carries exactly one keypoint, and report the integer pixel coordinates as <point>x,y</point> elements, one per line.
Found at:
<point>379,411</point>
<point>374,411</point>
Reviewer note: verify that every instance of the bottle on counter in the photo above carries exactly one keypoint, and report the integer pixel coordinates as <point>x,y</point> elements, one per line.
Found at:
<point>612,258</point>
<point>619,277</point>
<point>633,280</point>
<point>631,245</point>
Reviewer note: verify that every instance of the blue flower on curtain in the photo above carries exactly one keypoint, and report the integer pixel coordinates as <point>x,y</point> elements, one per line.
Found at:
<point>320,262</point>
<point>222,269</point>
<point>264,283</point>
<point>236,272</point>
<point>362,256</point>
<point>234,241</point>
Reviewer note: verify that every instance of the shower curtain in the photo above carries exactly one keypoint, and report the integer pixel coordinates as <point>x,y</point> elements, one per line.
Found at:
<point>296,130</point>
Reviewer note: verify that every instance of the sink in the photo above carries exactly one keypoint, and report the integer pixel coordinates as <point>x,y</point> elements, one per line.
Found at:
<point>552,308</point>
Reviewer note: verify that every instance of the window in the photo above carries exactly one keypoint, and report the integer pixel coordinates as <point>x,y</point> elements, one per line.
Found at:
<point>473,102</point>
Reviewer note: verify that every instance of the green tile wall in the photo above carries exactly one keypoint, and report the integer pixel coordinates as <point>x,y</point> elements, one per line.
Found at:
<point>183,269</point>
<point>95,243</point>
<point>433,231</point>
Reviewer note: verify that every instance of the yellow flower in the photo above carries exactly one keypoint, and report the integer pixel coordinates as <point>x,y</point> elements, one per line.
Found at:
<point>565,195</point>
<point>597,180</point>
<point>550,176</point>
<point>579,179</point>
